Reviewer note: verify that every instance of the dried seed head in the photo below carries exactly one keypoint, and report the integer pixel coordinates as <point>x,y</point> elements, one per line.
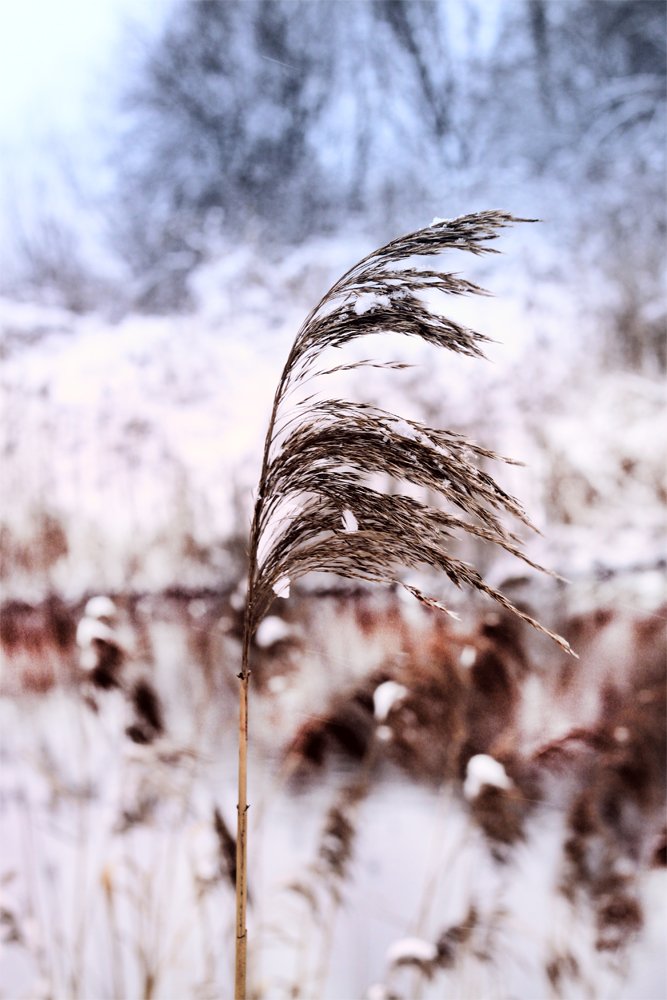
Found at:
<point>316,509</point>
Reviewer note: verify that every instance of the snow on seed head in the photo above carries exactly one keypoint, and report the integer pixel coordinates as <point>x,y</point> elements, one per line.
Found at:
<point>350,523</point>
<point>411,949</point>
<point>90,629</point>
<point>468,656</point>
<point>281,587</point>
<point>484,771</point>
<point>385,696</point>
<point>100,606</point>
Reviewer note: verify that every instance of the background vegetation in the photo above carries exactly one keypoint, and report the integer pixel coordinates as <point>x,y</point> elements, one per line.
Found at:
<point>438,808</point>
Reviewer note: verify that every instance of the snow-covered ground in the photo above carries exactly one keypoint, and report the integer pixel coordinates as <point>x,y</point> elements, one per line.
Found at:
<point>115,879</point>
<point>130,449</point>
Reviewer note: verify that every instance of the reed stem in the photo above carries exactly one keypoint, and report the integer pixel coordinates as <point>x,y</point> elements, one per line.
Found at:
<point>242,834</point>
<point>331,448</point>
<point>241,948</point>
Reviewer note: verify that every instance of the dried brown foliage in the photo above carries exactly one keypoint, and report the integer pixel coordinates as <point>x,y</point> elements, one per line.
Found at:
<point>36,645</point>
<point>226,847</point>
<point>462,693</point>
<point>148,716</point>
<point>321,455</point>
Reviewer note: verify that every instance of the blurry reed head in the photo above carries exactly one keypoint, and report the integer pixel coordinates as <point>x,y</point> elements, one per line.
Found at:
<point>440,697</point>
<point>428,957</point>
<point>336,847</point>
<point>452,940</point>
<point>36,643</point>
<point>501,813</point>
<point>147,707</point>
<point>226,847</point>
<point>615,824</point>
<point>561,969</point>
<point>109,660</point>
<point>346,728</point>
<point>659,850</point>
<point>316,508</point>
<point>335,850</point>
<point>323,880</point>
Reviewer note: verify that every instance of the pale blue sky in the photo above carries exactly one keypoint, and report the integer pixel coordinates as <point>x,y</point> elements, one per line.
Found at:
<point>54,57</point>
<point>62,66</point>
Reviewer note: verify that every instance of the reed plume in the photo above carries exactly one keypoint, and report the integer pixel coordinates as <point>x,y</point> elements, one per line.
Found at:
<point>316,508</point>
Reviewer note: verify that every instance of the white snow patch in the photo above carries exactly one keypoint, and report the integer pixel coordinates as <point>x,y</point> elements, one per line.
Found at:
<point>350,523</point>
<point>368,301</point>
<point>405,429</point>
<point>277,684</point>
<point>411,949</point>
<point>437,221</point>
<point>272,630</point>
<point>385,696</point>
<point>89,659</point>
<point>410,432</point>
<point>378,991</point>
<point>100,606</point>
<point>90,629</point>
<point>468,656</point>
<point>484,771</point>
<point>281,587</point>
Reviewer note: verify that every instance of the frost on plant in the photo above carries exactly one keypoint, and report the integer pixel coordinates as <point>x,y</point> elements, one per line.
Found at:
<point>484,771</point>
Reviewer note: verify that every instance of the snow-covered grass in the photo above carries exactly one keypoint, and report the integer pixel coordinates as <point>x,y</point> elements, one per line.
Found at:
<point>130,451</point>
<point>364,882</point>
<point>140,440</point>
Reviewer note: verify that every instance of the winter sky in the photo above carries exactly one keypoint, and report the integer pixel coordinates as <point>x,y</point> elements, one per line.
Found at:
<point>53,56</point>
<point>61,66</point>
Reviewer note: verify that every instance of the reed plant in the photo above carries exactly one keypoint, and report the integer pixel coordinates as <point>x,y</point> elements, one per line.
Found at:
<point>317,506</point>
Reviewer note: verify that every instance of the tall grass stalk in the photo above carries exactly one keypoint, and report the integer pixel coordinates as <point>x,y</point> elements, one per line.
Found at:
<point>315,509</point>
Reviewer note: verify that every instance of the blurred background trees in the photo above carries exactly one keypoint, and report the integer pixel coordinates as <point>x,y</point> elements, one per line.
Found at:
<point>271,120</point>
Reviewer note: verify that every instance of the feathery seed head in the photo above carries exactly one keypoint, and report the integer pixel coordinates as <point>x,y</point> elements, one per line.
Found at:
<point>321,457</point>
